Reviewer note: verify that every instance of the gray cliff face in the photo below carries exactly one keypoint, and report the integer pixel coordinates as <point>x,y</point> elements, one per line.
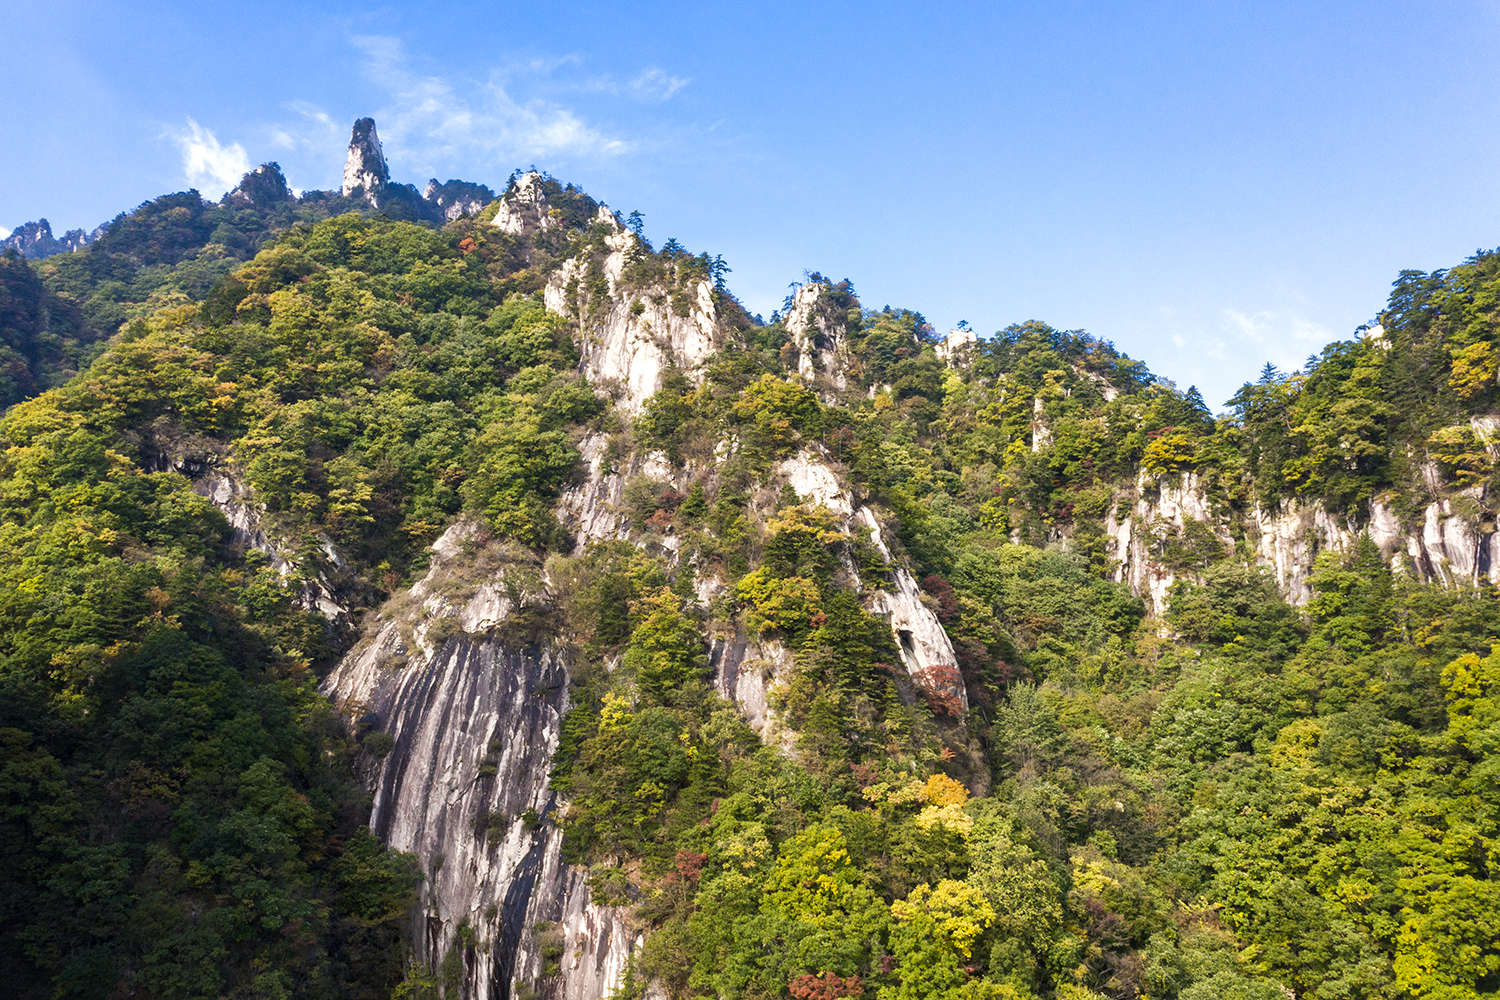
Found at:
<point>628,342</point>
<point>247,521</point>
<point>164,448</point>
<point>1451,542</point>
<point>475,712</point>
<point>820,335</point>
<point>475,720</point>
<point>475,724</point>
<point>365,172</point>
<point>523,210</point>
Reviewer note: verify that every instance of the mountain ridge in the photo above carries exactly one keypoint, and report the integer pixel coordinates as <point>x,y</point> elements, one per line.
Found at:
<point>496,609</point>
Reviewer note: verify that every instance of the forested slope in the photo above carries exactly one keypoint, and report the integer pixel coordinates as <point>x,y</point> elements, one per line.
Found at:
<point>1238,797</point>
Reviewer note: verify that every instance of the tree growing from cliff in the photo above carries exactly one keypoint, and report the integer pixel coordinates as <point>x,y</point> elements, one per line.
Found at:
<point>665,652</point>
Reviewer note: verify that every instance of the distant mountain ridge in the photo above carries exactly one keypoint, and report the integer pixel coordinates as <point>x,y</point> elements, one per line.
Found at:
<point>177,245</point>
<point>34,240</point>
<point>366,179</point>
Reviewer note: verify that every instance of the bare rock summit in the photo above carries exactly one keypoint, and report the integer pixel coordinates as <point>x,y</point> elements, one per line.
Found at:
<point>365,172</point>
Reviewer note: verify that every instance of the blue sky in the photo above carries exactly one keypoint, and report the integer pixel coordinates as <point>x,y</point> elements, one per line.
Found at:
<point>1211,186</point>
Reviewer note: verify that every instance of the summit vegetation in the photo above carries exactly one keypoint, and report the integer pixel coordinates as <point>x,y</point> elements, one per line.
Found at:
<point>1234,798</point>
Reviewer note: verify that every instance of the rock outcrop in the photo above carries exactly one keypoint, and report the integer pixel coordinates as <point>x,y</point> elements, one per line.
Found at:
<point>628,346</point>
<point>34,240</point>
<point>456,199</point>
<point>474,718</point>
<point>958,347</point>
<point>474,721</point>
<point>365,171</point>
<point>627,340</point>
<point>819,334</point>
<point>523,209</point>
<point>247,520</point>
<point>262,187</point>
<point>1452,542</point>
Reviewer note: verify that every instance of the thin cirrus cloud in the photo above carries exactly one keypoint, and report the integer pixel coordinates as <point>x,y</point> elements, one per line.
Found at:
<point>430,121</point>
<point>1284,332</point>
<point>208,163</point>
<point>650,85</point>
<point>655,85</point>
<point>316,129</point>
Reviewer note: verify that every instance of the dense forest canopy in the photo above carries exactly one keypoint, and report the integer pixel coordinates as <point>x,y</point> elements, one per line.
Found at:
<point>1237,797</point>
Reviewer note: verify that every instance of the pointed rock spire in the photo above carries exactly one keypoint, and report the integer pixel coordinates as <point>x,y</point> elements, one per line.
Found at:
<point>365,173</point>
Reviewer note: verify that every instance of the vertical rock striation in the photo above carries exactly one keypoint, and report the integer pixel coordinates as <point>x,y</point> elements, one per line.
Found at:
<point>474,722</point>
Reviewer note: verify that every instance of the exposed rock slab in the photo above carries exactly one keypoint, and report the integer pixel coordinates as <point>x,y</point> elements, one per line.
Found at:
<point>474,724</point>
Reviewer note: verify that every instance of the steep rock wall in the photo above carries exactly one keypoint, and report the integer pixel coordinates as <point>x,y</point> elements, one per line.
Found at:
<point>524,208</point>
<point>365,171</point>
<point>1453,542</point>
<point>627,340</point>
<point>1159,507</point>
<point>247,522</point>
<point>819,334</point>
<point>631,341</point>
<point>925,649</point>
<point>474,723</point>
<point>594,509</point>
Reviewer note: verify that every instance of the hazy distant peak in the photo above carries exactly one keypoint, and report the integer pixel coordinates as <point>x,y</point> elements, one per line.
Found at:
<point>35,240</point>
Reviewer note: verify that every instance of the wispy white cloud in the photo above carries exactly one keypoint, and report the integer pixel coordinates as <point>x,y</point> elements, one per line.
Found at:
<point>314,128</point>
<point>208,163</point>
<point>1283,337</point>
<point>4,233</point>
<point>1276,328</point>
<point>650,85</point>
<point>655,85</point>
<point>431,120</point>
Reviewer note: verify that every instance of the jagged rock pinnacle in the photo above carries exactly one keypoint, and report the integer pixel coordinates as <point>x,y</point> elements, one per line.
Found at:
<point>35,240</point>
<point>365,171</point>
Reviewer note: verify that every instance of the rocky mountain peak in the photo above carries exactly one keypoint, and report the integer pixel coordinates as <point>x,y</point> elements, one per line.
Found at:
<point>957,347</point>
<point>365,172</point>
<point>34,240</point>
<point>523,208</point>
<point>263,186</point>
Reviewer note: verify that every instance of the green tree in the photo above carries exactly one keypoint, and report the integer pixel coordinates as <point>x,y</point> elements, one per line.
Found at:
<point>666,652</point>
